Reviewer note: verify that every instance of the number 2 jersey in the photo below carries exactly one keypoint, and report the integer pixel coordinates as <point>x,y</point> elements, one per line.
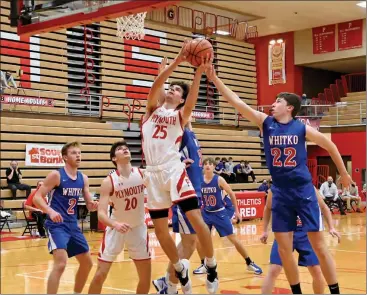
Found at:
<point>162,135</point>
<point>285,152</point>
<point>128,197</point>
<point>64,198</point>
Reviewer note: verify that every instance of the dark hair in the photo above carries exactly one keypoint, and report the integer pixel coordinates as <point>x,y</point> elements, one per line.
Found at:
<point>230,158</point>
<point>293,100</point>
<point>210,160</point>
<point>114,147</point>
<point>217,158</point>
<point>224,160</point>
<point>242,161</point>
<point>185,91</point>
<point>65,148</point>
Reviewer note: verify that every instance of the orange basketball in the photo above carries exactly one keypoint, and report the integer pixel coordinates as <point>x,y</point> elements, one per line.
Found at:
<point>198,48</point>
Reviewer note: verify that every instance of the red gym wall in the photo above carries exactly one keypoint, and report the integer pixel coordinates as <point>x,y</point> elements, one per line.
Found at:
<point>266,93</point>
<point>349,144</point>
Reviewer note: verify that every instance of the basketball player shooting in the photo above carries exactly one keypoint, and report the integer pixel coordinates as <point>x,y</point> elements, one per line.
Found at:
<point>126,225</point>
<point>165,177</point>
<point>293,192</point>
<point>65,237</point>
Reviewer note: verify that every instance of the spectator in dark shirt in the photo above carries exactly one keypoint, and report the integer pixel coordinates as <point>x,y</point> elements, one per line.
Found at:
<point>36,214</point>
<point>248,171</point>
<point>263,187</point>
<point>241,177</point>
<point>220,169</point>
<point>14,177</point>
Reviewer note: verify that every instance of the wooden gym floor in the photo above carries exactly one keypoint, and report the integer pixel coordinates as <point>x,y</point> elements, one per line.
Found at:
<point>25,263</point>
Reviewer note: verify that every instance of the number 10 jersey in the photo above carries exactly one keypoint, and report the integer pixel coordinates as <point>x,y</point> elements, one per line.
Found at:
<point>128,197</point>
<point>162,135</point>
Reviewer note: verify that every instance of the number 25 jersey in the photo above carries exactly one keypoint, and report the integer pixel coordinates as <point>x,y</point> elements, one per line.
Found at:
<point>285,152</point>
<point>128,197</point>
<point>162,135</point>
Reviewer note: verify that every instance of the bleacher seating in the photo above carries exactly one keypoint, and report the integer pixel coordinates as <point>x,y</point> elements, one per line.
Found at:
<point>353,111</point>
<point>96,139</point>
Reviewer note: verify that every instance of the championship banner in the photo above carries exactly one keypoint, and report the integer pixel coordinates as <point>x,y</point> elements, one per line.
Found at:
<point>251,204</point>
<point>27,100</point>
<point>323,39</point>
<point>43,155</point>
<point>277,63</point>
<point>350,35</point>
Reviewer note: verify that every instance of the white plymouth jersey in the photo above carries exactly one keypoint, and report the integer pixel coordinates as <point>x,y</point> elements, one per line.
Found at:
<point>128,197</point>
<point>162,135</point>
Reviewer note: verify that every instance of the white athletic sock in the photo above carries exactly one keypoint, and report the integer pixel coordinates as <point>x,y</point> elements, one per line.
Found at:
<point>211,262</point>
<point>178,266</point>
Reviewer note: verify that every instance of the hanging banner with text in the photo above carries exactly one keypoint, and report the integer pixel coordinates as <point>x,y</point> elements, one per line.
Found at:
<point>251,204</point>
<point>27,100</point>
<point>350,35</point>
<point>323,39</point>
<point>276,63</point>
<point>43,155</point>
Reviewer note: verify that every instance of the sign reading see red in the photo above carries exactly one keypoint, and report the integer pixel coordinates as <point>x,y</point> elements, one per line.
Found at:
<point>323,39</point>
<point>350,35</point>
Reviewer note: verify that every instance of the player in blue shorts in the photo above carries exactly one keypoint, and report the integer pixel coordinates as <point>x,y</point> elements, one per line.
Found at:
<point>65,237</point>
<point>191,155</point>
<point>215,214</point>
<point>301,244</point>
<point>286,157</point>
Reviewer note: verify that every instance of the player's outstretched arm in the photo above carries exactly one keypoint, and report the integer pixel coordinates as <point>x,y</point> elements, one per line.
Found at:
<point>225,186</point>
<point>52,180</point>
<point>246,111</point>
<point>105,191</point>
<point>162,94</point>
<point>266,218</point>
<point>326,212</point>
<point>156,90</point>
<point>322,141</point>
<point>91,205</point>
<point>192,97</point>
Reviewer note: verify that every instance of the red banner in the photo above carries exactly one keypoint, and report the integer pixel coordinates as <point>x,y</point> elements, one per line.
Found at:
<point>251,204</point>
<point>323,39</point>
<point>350,35</point>
<point>27,100</point>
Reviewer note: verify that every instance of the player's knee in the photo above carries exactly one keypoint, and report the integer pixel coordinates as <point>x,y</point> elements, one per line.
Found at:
<point>189,204</point>
<point>100,276</point>
<point>275,270</point>
<point>315,272</point>
<point>59,266</point>
<point>88,264</point>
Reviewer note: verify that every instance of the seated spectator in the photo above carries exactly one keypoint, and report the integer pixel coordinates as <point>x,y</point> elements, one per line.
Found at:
<point>248,171</point>
<point>5,80</point>
<point>349,194</point>
<point>14,177</point>
<point>228,168</point>
<point>36,213</point>
<point>329,191</point>
<point>263,187</point>
<point>219,169</point>
<point>238,171</point>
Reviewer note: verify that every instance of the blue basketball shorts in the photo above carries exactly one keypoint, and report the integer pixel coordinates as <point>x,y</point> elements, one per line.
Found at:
<point>220,220</point>
<point>289,202</point>
<point>180,222</point>
<point>66,236</point>
<point>301,244</point>
<point>230,211</point>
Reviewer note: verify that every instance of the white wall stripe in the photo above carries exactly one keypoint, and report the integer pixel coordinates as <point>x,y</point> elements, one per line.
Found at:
<point>147,57</point>
<point>9,36</point>
<point>142,83</point>
<point>35,59</point>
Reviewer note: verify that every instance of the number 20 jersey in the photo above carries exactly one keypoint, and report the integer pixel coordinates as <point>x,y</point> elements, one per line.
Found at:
<point>162,135</point>
<point>128,197</point>
<point>285,152</point>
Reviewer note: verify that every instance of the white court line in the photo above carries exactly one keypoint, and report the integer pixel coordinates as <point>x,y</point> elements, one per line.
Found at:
<point>72,282</point>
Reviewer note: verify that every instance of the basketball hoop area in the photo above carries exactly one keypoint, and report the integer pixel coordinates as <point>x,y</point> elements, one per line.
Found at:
<point>36,17</point>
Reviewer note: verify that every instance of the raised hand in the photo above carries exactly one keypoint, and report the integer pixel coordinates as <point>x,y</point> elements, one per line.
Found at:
<point>182,55</point>
<point>210,73</point>
<point>206,63</point>
<point>163,64</point>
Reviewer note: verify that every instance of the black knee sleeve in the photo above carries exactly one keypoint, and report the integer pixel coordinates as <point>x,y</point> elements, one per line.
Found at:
<point>188,204</point>
<point>156,214</point>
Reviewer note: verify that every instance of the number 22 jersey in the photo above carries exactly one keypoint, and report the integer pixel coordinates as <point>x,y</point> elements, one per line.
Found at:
<point>285,152</point>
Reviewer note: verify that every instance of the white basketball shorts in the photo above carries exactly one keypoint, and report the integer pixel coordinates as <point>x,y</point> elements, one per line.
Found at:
<point>136,241</point>
<point>167,184</point>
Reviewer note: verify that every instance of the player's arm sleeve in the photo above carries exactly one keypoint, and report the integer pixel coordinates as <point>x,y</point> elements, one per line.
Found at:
<point>246,111</point>
<point>105,190</point>
<point>267,211</point>
<point>52,180</point>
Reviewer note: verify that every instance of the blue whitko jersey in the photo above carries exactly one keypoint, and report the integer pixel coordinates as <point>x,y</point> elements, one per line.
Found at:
<point>285,151</point>
<point>212,195</point>
<point>64,199</point>
<point>190,148</point>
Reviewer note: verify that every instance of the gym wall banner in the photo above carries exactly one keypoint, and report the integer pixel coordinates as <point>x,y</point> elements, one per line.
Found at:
<point>276,63</point>
<point>43,155</point>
